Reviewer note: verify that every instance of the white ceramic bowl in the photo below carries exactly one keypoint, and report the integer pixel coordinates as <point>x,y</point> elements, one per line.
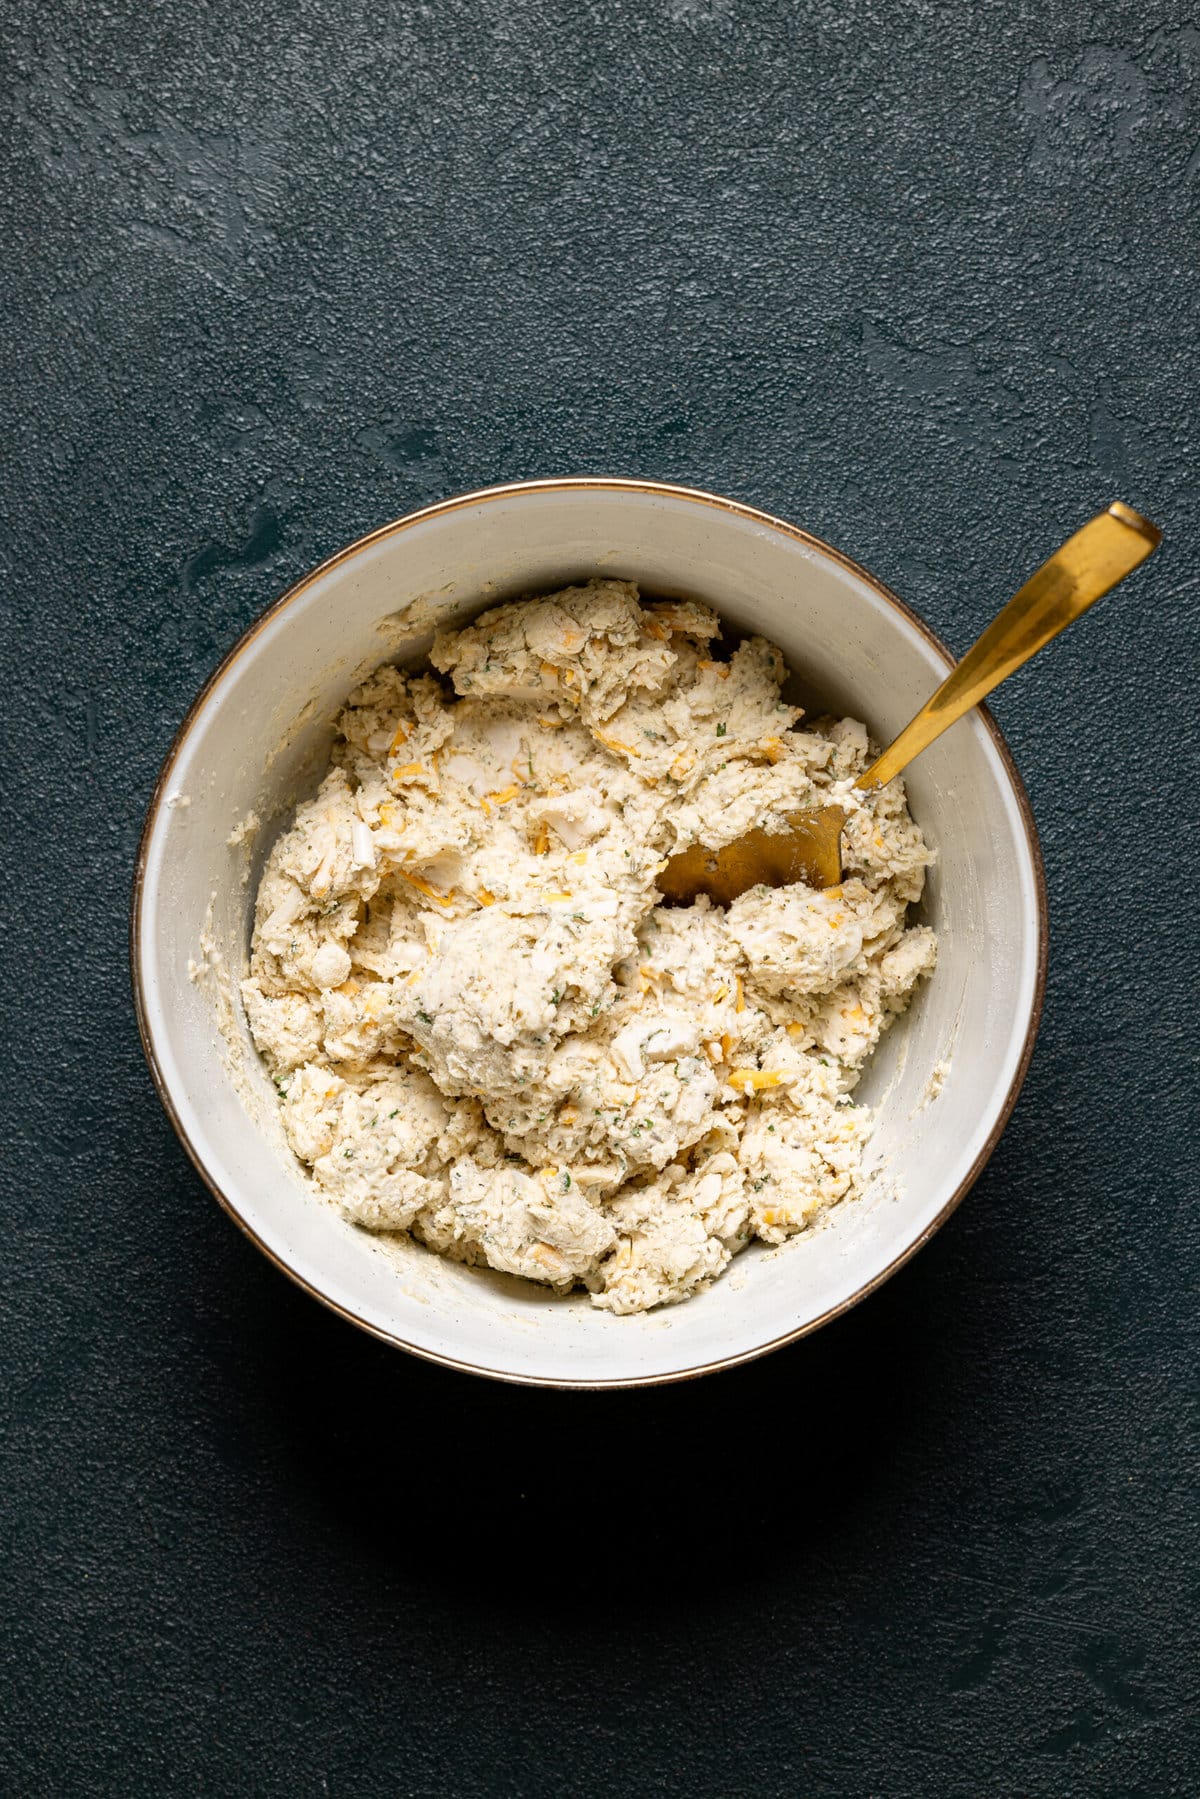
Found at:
<point>257,738</point>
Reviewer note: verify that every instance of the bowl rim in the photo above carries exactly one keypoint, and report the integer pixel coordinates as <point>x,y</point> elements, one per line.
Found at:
<point>441,509</point>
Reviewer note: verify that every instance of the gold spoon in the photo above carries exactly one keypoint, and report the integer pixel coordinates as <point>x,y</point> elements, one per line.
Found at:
<point>1107,549</point>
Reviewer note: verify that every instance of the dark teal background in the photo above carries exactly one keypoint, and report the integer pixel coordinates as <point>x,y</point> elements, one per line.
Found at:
<point>921,277</point>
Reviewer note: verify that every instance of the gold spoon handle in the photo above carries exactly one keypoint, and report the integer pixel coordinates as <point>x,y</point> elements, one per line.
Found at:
<point>1107,549</point>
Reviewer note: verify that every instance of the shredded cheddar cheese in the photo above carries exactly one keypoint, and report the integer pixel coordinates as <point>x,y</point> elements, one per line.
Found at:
<point>755,1080</point>
<point>442,899</point>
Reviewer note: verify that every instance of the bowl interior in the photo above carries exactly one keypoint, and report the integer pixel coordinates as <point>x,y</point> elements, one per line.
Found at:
<point>258,740</point>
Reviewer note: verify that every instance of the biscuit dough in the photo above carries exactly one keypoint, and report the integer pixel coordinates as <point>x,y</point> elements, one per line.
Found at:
<point>484,1027</point>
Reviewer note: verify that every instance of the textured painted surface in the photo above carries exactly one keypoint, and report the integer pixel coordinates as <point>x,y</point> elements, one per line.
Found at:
<point>922,279</point>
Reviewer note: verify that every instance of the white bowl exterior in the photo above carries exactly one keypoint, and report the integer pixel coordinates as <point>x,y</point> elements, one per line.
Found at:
<point>257,743</point>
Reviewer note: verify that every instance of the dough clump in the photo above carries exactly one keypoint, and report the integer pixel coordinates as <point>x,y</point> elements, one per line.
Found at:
<point>485,1028</point>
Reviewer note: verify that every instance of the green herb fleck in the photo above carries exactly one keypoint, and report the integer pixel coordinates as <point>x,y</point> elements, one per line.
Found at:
<point>424,1017</point>
<point>720,730</point>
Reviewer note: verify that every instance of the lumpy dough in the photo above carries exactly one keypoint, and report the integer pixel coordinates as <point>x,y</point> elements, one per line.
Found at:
<point>485,1028</point>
